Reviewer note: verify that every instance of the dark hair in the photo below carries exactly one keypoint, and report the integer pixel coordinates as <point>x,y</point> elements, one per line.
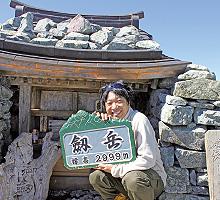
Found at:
<point>120,88</point>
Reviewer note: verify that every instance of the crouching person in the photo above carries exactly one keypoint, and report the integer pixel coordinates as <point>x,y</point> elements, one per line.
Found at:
<point>145,177</point>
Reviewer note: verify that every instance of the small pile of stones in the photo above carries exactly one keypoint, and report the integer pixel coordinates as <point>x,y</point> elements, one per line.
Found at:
<point>77,33</point>
<point>73,195</point>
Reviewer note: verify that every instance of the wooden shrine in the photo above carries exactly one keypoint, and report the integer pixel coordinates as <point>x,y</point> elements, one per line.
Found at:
<point>54,83</point>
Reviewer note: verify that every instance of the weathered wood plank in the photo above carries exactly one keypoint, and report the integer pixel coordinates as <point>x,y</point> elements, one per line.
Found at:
<point>68,183</point>
<point>60,170</point>
<point>58,100</point>
<point>87,101</point>
<point>55,126</point>
<point>35,100</point>
<point>91,85</point>
<point>99,70</point>
<point>24,108</point>
<point>51,113</point>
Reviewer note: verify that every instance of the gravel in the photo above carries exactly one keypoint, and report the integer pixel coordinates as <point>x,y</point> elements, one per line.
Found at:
<point>73,195</point>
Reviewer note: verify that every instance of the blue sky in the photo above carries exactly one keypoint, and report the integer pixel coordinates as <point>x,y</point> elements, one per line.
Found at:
<point>187,30</point>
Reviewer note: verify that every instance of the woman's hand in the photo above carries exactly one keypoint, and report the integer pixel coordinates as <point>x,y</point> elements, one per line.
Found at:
<point>105,167</point>
<point>103,116</point>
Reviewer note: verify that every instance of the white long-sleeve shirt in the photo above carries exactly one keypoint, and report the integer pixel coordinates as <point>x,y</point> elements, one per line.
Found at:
<point>148,153</point>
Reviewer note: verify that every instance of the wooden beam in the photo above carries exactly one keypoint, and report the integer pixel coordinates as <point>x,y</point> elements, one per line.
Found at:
<point>154,84</point>
<point>24,108</point>
<point>51,113</point>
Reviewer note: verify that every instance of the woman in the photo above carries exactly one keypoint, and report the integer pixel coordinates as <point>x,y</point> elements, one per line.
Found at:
<point>142,179</point>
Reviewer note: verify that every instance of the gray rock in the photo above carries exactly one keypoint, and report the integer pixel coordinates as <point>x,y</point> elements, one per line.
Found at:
<point>44,34</point>
<point>80,25</point>
<point>193,74</point>
<point>203,101</point>
<point>207,117</point>
<point>202,179</point>
<point>102,37</point>
<point>167,156</point>
<point>44,25</point>
<point>172,100</point>
<point>5,106</point>
<point>193,177</point>
<point>3,34</point>
<point>95,27</point>
<point>15,22</point>
<point>148,44</point>
<point>198,89</point>
<point>167,83</point>
<point>5,93</point>
<point>155,102</point>
<point>196,67</point>
<point>200,190</point>
<point>6,26</point>
<point>201,170</point>
<point>112,29</point>
<point>6,33</point>
<point>185,136</point>
<point>63,26</point>
<point>165,144</point>
<point>26,35</point>
<point>155,124</point>
<point>44,41</point>
<point>117,46</point>
<point>217,103</point>
<point>201,105</point>
<point>3,126</point>
<point>26,24</point>
<point>77,44</point>
<point>19,37</point>
<point>76,36</point>
<point>57,33</point>
<point>177,180</point>
<point>29,176</point>
<point>122,43</point>
<point>5,116</point>
<point>190,159</point>
<point>11,24</point>
<point>176,115</point>
<point>94,45</point>
<point>127,30</point>
<point>169,196</point>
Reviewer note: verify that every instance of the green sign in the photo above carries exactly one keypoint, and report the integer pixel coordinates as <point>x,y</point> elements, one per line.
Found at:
<point>87,141</point>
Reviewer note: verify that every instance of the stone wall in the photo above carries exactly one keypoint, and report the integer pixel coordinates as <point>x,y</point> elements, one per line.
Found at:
<point>5,105</point>
<point>183,109</point>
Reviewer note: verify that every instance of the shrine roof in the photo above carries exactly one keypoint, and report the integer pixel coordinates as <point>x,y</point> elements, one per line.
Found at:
<point>28,59</point>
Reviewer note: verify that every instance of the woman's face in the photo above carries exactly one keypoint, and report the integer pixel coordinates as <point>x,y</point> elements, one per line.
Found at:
<point>116,106</point>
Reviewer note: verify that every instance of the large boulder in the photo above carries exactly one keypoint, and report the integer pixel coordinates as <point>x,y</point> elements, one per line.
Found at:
<point>191,137</point>
<point>23,177</point>
<point>198,89</point>
<point>44,25</point>
<point>80,25</point>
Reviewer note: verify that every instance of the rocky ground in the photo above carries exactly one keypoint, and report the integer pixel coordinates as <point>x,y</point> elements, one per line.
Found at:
<point>73,195</point>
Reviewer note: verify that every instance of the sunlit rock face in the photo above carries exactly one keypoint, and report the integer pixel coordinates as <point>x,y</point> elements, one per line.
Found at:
<point>76,33</point>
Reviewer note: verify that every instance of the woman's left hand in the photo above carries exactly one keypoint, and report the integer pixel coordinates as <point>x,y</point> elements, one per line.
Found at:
<point>105,167</point>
